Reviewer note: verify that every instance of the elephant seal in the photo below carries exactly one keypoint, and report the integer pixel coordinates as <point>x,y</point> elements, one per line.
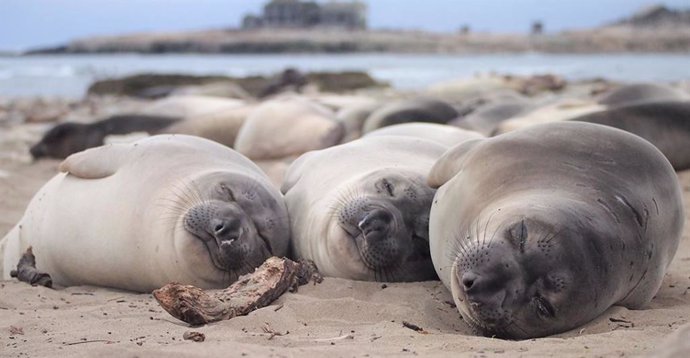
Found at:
<point>221,126</point>
<point>71,137</point>
<point>353,118</point>
<point>410,110</point>
<point>541,230</point>
<point>439,133</point>
<point>360,210</point>
<point>641,93</point>
<point>285,127</point>
<point>485,119</point>
<point>137,216</point>
<point>664,124</point>
<point>562,110</point>
<point>187,106</point>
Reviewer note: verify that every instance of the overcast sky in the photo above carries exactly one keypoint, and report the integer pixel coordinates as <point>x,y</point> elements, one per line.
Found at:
<point>31,23</point>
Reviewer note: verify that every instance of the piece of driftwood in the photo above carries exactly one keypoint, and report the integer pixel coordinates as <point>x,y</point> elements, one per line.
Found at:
<point>26,271</point>
<point>251,291</point>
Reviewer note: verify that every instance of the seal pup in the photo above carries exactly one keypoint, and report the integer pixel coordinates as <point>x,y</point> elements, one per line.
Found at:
<point>439,133</point>
<point>540,230</point>
<point>71,137</point>
<point>360,210</point>
<point>288,126</point>
<point>664,124</point>
<point>410,110</point>
<point>140,215</point>
<point>639,93</point>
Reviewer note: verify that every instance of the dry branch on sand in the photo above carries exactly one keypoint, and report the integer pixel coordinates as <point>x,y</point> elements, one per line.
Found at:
<point>252,291</point>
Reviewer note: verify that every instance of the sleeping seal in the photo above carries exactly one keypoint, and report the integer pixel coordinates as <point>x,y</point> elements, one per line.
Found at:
<point>71,137</point>
<point>541,230</point>
<point>410,110</point>
<point>439,133</point>
<point>360,210</point>
<point>639,93</point>
<point>664,124</point>
<point>140,215</point>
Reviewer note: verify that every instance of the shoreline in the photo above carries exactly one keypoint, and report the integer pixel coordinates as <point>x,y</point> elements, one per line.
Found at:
<point>616,39</point>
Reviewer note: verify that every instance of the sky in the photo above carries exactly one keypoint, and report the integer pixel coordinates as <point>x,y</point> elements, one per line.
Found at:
<point>26,24</point>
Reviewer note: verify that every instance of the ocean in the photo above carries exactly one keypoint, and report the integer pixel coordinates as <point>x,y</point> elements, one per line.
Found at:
<point>69,76</point>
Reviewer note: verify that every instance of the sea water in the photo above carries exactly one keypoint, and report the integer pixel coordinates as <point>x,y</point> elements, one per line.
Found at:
<point>70,75</point>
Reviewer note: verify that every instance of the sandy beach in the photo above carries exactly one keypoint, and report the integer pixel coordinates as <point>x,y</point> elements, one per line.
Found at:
<point>339,318</point>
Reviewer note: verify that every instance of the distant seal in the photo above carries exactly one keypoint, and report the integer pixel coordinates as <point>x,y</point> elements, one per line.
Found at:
<point>410,110</point>
<point>285,127</point>
<point>353,118</point>
<point>664,124</point>
<point>187,106</point>
<point>541,230</point>
<point>221,126</point>
<point>71,137</point>
<point>138,216</point>
<point>486,118</point>
<point>641,93</point>
<point>360,210</point>
<point>561,110</point>
<point>438,133</point>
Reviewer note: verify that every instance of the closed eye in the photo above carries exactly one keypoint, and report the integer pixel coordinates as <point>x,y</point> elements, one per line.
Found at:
<point>544,307</point>
<point>230,196</point>
<point>388,186</point>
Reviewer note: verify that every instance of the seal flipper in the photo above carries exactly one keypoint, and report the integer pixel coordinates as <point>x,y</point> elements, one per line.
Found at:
<point>450,163</point>
<point>95,163</point>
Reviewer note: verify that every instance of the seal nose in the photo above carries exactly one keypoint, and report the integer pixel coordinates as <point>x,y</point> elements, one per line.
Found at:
<point>468,280</point>
<point>375,221</point>
<point>226,229</point>
<point>36,151</point>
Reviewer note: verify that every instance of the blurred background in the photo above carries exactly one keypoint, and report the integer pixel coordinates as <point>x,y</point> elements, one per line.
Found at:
<point>58,48</point>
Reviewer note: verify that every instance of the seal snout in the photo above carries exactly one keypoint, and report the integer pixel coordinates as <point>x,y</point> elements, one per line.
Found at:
<point>375,224</point>
<point>226,230</point>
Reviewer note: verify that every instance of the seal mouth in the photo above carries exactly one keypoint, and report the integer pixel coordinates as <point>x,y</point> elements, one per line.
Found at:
<point>469,310</point>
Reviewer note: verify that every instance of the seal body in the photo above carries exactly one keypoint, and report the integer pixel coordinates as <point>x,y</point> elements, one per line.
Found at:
<point>71,137</point>
<point>639,93</point>
<point>664,124</point>
<point>540,230</point>
<point>138,216</point>
<point>287,127</point>
<point>439,133</point>
<point>360,210</point>
<point>410,110</point>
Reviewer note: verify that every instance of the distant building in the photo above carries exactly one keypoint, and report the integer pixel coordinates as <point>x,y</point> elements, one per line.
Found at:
<point>308,14</point>
<point>537,28</point>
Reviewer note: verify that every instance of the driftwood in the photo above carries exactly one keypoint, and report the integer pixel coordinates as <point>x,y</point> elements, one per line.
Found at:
<point>26,271</point>
<point>252,291</point>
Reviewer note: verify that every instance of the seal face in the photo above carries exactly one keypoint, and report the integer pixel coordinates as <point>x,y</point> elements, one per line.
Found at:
<point>360,210</point>
<point>532,244</point>
<point>224,223</point>
<point>387,220</point>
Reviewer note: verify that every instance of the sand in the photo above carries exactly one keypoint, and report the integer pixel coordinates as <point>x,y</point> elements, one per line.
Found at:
<point>338,318</point>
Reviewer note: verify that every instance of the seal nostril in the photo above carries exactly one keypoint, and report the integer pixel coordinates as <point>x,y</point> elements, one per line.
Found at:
<point>468,280</point>
<point>218,229</point>
<point>375,220</point>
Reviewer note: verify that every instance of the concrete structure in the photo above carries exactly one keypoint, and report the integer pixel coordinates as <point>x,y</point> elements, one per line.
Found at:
<point>307,14</point>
